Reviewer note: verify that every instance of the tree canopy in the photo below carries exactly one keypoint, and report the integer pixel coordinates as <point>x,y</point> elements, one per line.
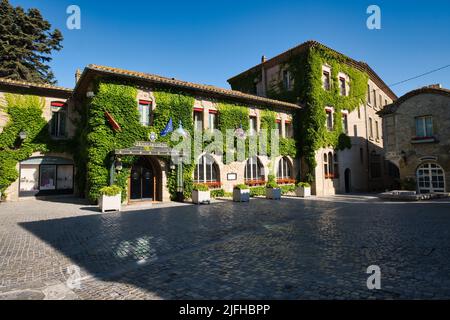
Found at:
<point>26,43</point>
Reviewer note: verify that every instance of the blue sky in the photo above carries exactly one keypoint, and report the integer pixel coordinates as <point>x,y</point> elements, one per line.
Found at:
<point>210,41</point>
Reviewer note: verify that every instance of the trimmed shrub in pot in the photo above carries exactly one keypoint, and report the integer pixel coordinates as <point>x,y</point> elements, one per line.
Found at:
<point>273,190</point>
<point>303,189</point>
<point>241,193</point>
<point>201,193</point>
<point>110,198</point>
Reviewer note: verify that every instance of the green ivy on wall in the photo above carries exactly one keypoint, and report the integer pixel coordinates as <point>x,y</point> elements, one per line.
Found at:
<point>24,114</point>
<point>310,128</point>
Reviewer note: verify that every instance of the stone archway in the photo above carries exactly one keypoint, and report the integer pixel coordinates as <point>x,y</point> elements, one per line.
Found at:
<point>145,182</point>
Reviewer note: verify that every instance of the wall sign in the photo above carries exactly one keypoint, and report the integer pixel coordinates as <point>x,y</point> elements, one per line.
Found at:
<point>231,176</point>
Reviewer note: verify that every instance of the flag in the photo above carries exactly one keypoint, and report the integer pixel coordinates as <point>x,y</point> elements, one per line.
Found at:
<point>167,129</point>
<point>112,122</point>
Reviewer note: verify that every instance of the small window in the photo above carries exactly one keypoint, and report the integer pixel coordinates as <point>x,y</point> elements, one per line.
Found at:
<point>326,80</point>
<point>212,119</point>
<point>424,126</point>
<point>329,119</point>
<point>287,80</point>
<point>369,99</point>
<point>355,130</point>
<point>58,124</point>
<point>375,98</point>
<point>145,111</point>
<point>198,120</point>
<point>345,122</point>
<point>377,132</point>
<point>325,165</point>
<point>253,126</point>
<point>370,128</point>
<point>342,86</point>
<point>279,128</point>
<point>359,113</point>
<point>288,129</point>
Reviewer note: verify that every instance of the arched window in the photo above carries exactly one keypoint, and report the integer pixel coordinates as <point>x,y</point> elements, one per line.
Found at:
<point>284,172</point>
<point>430,178</point>
<point>207,171</point>
<point>254,172</point>
<point>330,165</point>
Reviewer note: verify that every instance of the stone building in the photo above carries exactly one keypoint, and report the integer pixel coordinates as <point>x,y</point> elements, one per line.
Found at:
<point>359,168</point>
<point>417,138</point>
<point>54,173</point>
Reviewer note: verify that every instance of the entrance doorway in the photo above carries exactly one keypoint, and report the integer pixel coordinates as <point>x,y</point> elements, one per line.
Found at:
<point>430,178</point>
<point>348,177</point>
<point>145,180</point>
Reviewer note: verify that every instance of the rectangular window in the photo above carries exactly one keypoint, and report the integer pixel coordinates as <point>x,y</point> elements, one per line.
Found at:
<point>424,126</point>
<point>359,113</point>
<point>58,124</point>
<point>370,128</point>
<point>198,120</point>
<point>385,102</point>
<point>345,122</point>
<point>369,99</point>
<point>377,132</point>
<point>326,80</point>
<point>145,110</point>
<point>380,100</point>
<point>355,130</point>
<point>288,129</point>
<point>287,80</point>
<point>329,120</point>
<point>279,128</point>
<point>253,126</point>
<point>212,121</point>
<point>342,88</point>
<point>374,98</point>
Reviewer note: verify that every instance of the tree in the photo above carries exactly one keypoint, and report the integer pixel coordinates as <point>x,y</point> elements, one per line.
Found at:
<point>26,42</point>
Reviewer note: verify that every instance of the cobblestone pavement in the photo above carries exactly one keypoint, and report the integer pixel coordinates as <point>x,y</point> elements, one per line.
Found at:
<point>316,248</point>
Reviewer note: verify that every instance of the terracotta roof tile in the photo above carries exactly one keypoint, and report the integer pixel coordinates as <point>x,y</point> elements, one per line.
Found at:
<point>206,89</point>
<point>26,84</point>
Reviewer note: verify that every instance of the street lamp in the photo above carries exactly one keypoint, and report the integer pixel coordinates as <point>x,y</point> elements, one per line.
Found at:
<point>118,164</point>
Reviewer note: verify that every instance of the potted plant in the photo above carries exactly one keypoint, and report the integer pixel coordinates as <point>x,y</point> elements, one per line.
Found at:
<point>303,189</point>
<point>110,198</point>
<point>273,190</point>
<point>201,193</point>
<point>241,193</point>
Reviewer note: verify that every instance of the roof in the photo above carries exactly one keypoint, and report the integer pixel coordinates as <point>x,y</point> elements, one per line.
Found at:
<point>19,86</point>
<point>360,65</point>
<point>392,108</point>
<point>211,91</point>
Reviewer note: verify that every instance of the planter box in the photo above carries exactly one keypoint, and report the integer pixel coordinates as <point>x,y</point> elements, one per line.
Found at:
<point>273,193</point>
<point>201,196</point>
<point>110,203</point>
<point>241,195</point>
<point>303,192</point>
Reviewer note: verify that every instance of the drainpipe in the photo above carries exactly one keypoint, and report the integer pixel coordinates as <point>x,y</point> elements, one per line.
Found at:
<point>263,76</point>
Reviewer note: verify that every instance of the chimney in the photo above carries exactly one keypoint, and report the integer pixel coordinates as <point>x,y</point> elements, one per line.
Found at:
<point>435,86</point>
<point>77,75</point>
<point>263,59</point>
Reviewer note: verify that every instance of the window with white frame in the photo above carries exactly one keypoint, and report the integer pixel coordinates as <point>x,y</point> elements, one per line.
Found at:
<point>198,120</point>
<point>288,129</point>
<point>377,131</point>
<point>370,128</point>
<point>424,126</point>
<point>145,111</point>
<point>253,125</point>
<point>206,170</point>
<point>345,122</point>
<point>329,119</point>
<point>342,86</point>
<point>284,171</point>
<point>287,80</point>
<point>254,170</point>
<point>326,80</point>
<point>58,124</point>
<point>212,119</point>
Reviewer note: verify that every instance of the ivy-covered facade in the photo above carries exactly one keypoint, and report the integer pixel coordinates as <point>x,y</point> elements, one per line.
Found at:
<point>338,132</point>
<point>111,133</point>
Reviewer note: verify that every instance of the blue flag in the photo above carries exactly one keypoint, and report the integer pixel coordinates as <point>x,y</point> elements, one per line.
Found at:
<point>167,129</point>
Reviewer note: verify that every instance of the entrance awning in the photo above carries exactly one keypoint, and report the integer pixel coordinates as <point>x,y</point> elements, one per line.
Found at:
<point>47,160</point>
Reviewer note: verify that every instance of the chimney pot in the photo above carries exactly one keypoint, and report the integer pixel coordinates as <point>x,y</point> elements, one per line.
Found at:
<point>263,59</point>
<point>77,75</point>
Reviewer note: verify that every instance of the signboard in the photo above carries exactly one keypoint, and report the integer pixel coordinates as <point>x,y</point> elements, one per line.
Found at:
<point>231,176</point>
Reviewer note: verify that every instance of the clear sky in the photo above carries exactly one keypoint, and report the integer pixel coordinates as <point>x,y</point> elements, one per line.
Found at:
<point>210,41</point>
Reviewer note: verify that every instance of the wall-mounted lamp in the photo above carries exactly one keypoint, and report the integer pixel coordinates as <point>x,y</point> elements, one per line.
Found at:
<point>23,135</point>
<point>118,164</point>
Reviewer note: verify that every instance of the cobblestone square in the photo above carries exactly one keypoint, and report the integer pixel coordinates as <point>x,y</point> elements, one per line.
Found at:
<point>316,248</point>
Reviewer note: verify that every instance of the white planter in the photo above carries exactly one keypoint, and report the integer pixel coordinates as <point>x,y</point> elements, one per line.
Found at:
<point>303,192</point>
<point>241,195</point>
<point>201,196</point>
<point>110,203</point>
<point>273,193</point>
